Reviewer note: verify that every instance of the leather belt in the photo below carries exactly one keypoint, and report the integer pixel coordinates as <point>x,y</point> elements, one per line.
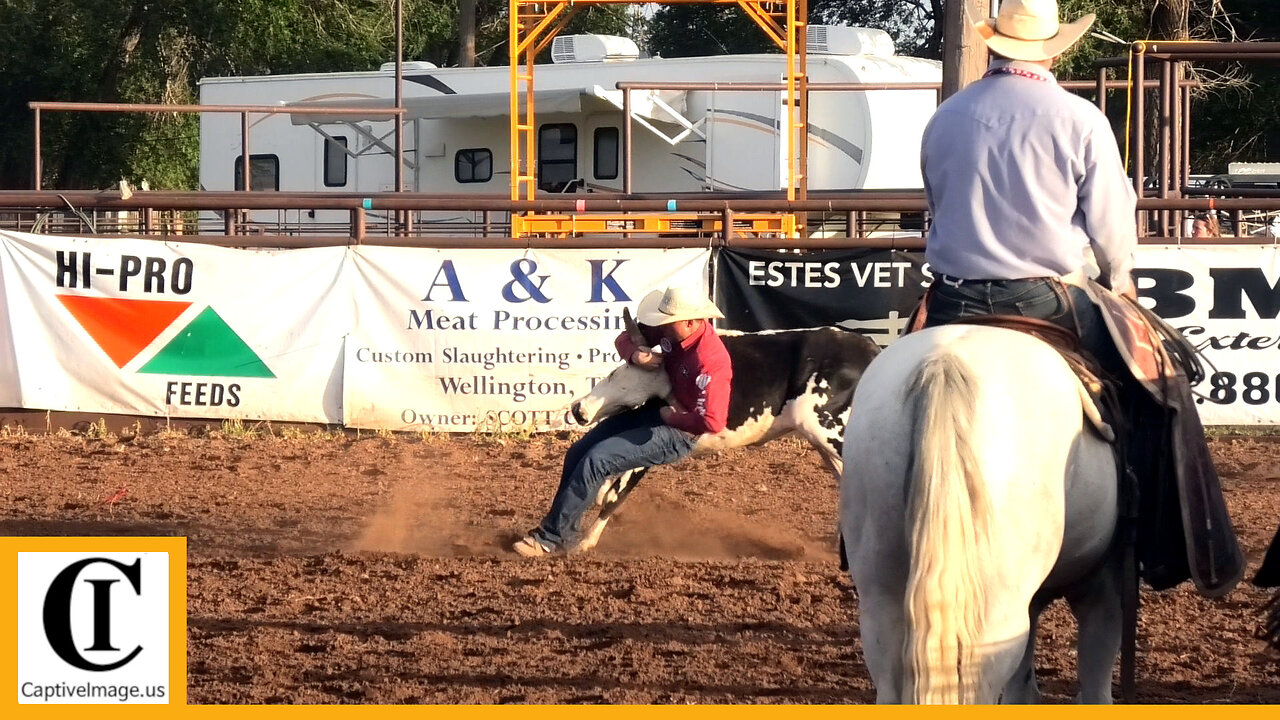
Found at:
<point>1074,278</point>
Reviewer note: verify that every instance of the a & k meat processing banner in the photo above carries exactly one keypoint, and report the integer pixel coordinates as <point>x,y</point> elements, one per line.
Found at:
<point>140,327</point>
<point>453,340</point>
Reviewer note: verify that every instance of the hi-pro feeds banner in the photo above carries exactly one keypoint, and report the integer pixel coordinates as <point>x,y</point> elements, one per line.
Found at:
<point>140,327</point>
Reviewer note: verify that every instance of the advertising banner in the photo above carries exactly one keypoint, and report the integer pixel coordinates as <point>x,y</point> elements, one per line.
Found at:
<point>870,291</point>
<point>140,327</point>
<point>1225,300</point>
<point>455,340</point>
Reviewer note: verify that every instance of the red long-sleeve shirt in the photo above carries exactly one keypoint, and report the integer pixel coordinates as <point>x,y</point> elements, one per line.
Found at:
<point>701,375</point>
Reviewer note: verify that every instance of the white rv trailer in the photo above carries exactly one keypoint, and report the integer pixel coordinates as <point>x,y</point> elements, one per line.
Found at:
<point>456,137</point>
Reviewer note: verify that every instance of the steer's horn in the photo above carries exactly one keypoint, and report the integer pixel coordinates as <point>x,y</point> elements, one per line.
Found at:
<point>633,330</point>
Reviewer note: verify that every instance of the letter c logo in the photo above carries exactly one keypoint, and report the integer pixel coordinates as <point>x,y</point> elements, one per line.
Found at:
<point>57,613</point>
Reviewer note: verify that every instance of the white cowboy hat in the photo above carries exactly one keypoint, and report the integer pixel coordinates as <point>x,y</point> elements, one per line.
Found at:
<point>1029,30</point>
<point>677,303</point>
<point>648,305</point>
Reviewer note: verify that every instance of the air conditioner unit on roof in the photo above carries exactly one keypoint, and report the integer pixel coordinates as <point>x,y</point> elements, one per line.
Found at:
<point>409,65</point>
<point>593,48</point>
<point>848,40</point>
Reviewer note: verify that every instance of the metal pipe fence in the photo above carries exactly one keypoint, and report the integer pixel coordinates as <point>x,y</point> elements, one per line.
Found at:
<point>247,219</point>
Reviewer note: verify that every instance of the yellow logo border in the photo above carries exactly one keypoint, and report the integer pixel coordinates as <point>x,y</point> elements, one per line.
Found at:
<point>176,547</point>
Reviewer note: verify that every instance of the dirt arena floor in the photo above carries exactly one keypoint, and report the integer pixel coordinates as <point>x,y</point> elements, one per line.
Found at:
<point>326,568</point>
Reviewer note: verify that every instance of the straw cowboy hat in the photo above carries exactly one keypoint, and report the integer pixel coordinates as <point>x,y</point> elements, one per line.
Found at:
<point>677,303</point>
<point>1029,30</point>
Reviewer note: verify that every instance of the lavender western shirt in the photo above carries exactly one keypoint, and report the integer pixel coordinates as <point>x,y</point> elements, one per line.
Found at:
<point>1023,178</point>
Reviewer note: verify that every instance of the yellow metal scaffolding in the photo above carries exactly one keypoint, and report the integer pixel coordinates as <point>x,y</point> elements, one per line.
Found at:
<point>533,24</point>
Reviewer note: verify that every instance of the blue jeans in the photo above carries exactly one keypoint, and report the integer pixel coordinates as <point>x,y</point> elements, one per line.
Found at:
<point>633,439</point>
<point>1045,298</point>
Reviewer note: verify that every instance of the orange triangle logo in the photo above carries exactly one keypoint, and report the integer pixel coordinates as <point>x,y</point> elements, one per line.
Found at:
<point>122,328</point>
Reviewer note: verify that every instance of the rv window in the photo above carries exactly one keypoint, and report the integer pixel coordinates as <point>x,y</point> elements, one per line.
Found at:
<point>335,161</point>
<point>264,172</point>
<point>606,152</point>
<point>557,156</point>
<point>473,165</point>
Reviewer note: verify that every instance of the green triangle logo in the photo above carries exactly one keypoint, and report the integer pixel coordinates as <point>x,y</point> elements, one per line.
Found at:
<point>209,347</point>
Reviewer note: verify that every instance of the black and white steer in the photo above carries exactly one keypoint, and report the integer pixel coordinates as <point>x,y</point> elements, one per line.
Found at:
<point>784,381</point>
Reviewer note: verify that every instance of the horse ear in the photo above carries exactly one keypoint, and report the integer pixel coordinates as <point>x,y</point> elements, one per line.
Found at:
<point>633,330</point>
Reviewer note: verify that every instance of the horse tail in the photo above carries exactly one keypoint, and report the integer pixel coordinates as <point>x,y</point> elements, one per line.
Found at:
<point>947,517</point>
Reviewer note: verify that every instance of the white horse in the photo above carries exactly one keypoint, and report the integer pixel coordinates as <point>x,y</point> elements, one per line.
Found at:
<point>974,493</point>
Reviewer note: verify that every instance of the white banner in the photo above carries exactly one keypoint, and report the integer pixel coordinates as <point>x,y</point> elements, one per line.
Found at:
<point>448,340</point>
<point>1226,300</point>
<point>454,340</point>
<point>142,327</point>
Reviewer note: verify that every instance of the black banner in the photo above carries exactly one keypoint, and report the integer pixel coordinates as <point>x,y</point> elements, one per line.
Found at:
<point>870,291</point>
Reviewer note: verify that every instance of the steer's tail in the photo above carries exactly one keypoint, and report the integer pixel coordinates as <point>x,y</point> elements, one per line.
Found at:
<point>947,525</point>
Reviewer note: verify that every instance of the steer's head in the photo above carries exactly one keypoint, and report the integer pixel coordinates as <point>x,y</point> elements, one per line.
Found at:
<point>628,386</point>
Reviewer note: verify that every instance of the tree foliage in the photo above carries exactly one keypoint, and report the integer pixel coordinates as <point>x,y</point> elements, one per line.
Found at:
<point>157,50</point>
<point>153,51</point>
<point>1232,122</point>
<point>915,25</point>
<point>1238,123</point>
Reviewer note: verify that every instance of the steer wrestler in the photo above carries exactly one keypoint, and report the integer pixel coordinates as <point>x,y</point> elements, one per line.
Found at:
<point>694,357</point>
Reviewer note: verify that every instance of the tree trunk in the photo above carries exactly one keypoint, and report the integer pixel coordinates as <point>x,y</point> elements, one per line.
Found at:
<point>1171,19</point>
<point>933,46</point>
<point>964,54</point>
<point>466,33</point>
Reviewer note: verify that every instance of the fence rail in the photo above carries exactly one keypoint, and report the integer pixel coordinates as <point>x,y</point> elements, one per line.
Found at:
<point>870,219</point>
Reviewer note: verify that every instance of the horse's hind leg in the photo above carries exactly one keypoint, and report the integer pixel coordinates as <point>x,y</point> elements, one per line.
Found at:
<point>1022,688</point>
<point>611,496</point>
<point>1096,606</point>
<point>878,563</point>
<point>883,626</point>
<point>1001,661</point>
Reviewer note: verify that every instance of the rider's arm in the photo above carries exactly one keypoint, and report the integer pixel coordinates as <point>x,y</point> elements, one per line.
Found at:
<point>1108,203</point>
<point>635,354</point>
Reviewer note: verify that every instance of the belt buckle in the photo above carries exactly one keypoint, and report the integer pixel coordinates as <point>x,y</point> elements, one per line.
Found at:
<point>952,281</point>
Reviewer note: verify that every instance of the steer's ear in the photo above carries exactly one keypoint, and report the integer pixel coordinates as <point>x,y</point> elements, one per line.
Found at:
<point>633,330</point>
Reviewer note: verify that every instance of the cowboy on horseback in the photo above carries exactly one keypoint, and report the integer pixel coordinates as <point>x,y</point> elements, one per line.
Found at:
<point>1025,184</point>
<point>1023,179</point>
<point>680,342</point>
<point>981,480</point>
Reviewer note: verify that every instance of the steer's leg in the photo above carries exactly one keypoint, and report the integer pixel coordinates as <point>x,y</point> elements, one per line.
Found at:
<point>825,432</point>
<point>830,448</point>
<point>610,499</point>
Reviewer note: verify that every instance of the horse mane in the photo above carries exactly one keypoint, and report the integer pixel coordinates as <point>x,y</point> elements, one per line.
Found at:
<point>948,511</point>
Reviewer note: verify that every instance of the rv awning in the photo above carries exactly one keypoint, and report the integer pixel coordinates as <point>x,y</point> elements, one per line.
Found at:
<point>657,105</point>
